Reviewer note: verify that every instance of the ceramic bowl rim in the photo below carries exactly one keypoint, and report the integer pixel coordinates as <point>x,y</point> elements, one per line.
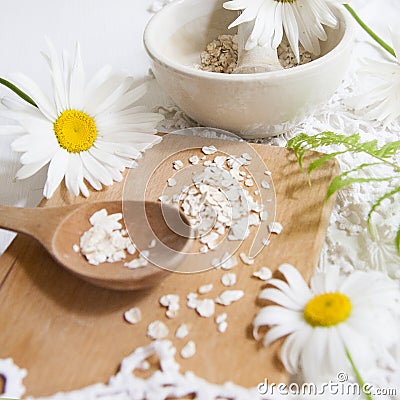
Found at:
<point>151,47</point>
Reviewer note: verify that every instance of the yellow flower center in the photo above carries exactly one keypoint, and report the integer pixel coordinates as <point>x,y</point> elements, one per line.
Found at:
<point>75,131</point>
<point>327,309</point>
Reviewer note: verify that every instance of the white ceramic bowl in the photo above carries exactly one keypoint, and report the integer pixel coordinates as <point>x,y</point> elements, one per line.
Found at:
<point>254,105</point>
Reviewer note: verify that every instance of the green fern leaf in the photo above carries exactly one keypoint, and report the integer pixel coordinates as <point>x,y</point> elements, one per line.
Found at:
<point>375,206</point>
<point>341,182</point>
<point>397,243</point>
<point>389,149</point>
<point>322,160</point>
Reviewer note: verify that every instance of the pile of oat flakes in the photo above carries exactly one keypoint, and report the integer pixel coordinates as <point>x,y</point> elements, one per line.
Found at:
<point>221,55</point>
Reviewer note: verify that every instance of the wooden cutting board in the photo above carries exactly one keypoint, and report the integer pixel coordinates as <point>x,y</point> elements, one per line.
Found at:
<point>69,334</point>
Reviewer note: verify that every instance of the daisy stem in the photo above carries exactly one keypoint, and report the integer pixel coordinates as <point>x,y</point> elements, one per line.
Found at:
<point>371,33</point>
<point>17,91</point>
<point>359,378</point>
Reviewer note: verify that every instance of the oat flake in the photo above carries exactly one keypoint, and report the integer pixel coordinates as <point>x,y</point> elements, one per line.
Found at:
<point>229,296</point>
<point>182,331</point>
<point>189,350</point>
<point>157,330</point>
<point>133,316</point>
<point>264,274</point>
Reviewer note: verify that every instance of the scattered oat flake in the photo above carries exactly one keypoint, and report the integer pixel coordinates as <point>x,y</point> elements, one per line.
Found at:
<point>75,248</point>
<point>265,185</point>
<point>131,249</point>
<point>249,182</point>
<point>203,249</point>
<point>222,327</point>
<point>229,279</point>
<point>221,317</point>
<point>205,308</point>
<point>229,263</point>
<point>189,350</point>
<point>157,330</point>
<point>263,215</point>
<point>136,263</point>
<point>266,172</point>
<point>170,313</point>
<point>247,156</point>
<point>265,242</point>
<point>205,288</point>
<point>209,149</point>
<point>163,198</point>
<point>194,160</point>
<point>133,316</point>
<point>264,273</point>
<point>152,244</point>
<point>171,182</point>
<point>192,300</point>
<point>228,297</point>
<point>275,227</point>
<point>169,299</point>
<point>246,259</point>
<point>144,253</point>
<point>182,331</point>
<point>177,164</point>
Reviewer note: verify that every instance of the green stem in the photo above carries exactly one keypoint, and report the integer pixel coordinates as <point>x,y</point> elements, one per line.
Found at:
<point>359,378</point>
<point>17,91</point>
<point>370,32</point>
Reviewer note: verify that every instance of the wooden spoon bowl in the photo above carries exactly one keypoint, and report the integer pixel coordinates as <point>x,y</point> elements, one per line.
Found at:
<point>58,229</point>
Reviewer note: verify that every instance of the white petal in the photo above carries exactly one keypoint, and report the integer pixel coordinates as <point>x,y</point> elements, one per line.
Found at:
<point>77,81</point>
<point>107,158</point>
<point>38,151</point>
<point>34,91</point>
<point>74,174</point>
<point>11,130</point>
<point>292,348</point>
<point>280,298</point>
<point>57,76</point>
<point>291,29</point>
<point>56,172</point>
<point>295,281</point>
<point>26,171</point>
<point>99,88</point>
<point>96,169</point>
<point>278,34</point>
<point>113,97</point>
<point>130,97</point>
<point>312,357</point>
<point>36,124</point>
<point>279,331</point>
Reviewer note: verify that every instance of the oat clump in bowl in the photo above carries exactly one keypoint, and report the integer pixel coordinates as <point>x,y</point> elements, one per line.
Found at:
<point>221,55</point>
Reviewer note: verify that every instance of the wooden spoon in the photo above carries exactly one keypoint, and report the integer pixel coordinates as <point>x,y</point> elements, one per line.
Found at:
<point>59,228</point>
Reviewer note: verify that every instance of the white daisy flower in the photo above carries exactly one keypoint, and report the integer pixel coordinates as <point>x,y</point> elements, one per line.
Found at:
<point>381,102</point>
<point>87,131</point>
<point>359,313</point>
<point>301,20</point>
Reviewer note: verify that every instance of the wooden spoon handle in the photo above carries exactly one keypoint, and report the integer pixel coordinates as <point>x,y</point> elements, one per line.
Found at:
<point>39,223</point>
